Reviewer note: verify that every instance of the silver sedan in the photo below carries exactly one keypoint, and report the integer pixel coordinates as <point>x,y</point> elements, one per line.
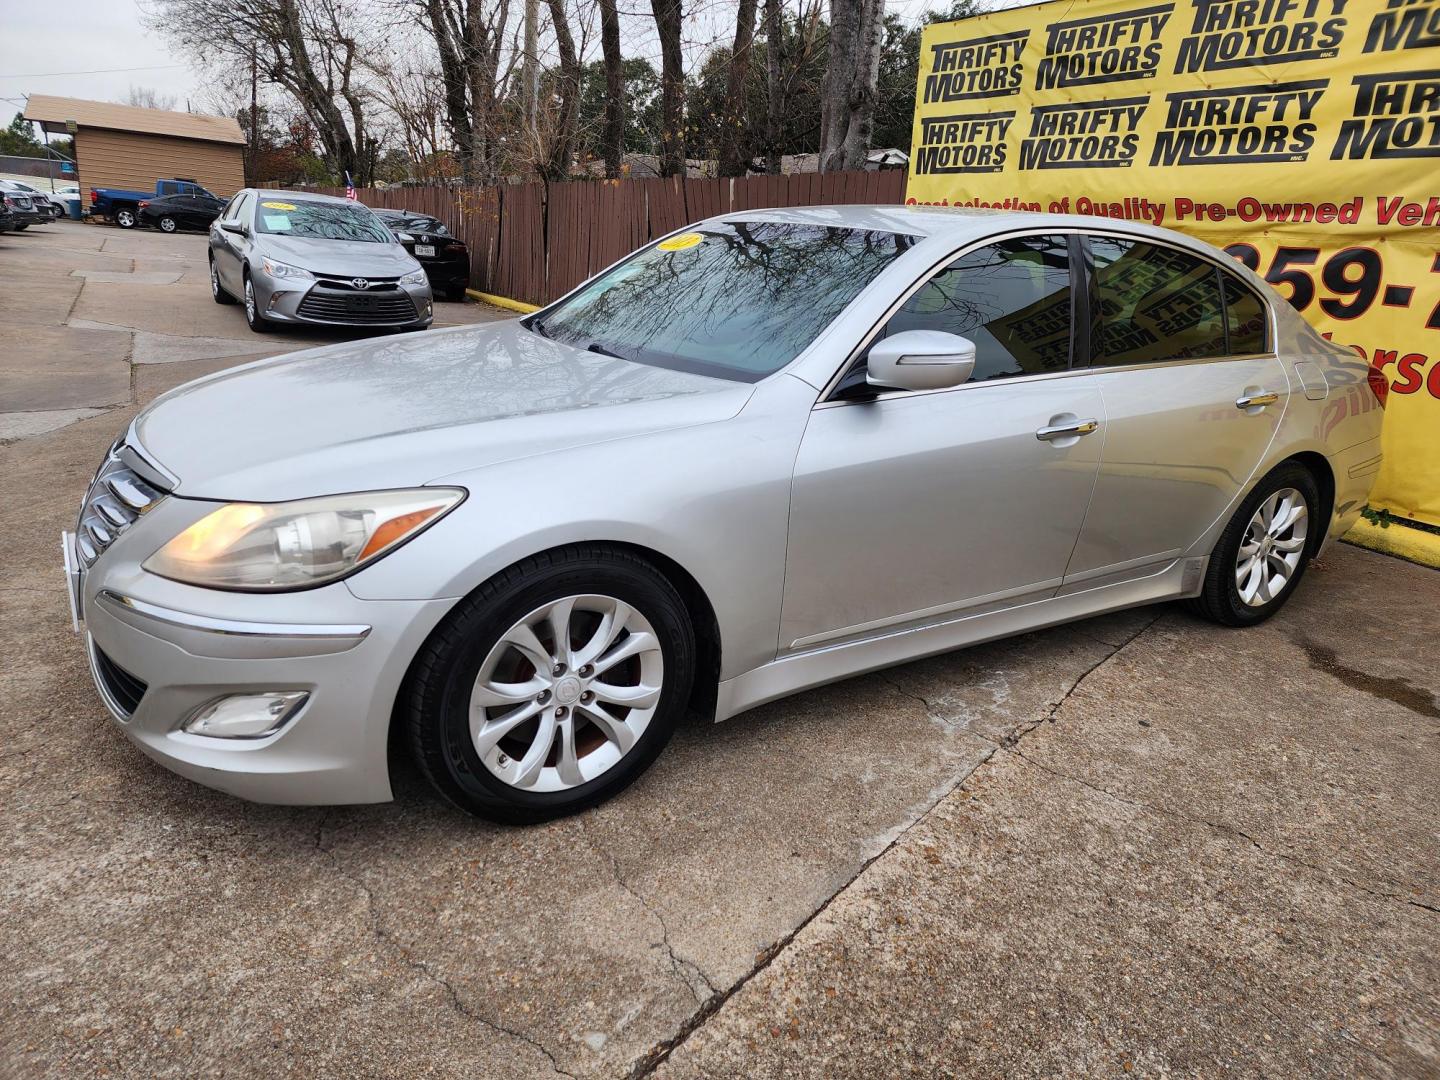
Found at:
<point>773,450</point>
<point>297,257</point>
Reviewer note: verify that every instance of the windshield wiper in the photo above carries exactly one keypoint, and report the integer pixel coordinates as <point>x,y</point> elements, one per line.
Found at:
<point>595,346</point>
<point>538,325</point>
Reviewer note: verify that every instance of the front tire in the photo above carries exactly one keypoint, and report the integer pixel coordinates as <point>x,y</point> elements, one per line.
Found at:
<point>1262,554</point>
<point>552,687</point>
<point>256,321</point>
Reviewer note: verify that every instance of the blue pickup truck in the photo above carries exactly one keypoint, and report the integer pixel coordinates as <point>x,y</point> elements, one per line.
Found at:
<point>123,207</point>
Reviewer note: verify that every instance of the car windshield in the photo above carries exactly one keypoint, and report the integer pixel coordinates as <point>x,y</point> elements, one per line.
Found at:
<point>735,299</point>
<point>320,221</point>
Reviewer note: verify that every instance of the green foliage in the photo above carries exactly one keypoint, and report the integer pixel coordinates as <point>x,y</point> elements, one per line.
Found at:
<point>1381,519</point>
<point>642,107</point>
<point>19,139</point>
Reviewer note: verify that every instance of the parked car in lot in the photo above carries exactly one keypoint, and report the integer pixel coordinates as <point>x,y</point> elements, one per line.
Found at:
<point>122,206</point>
<point>772,450</point>
<point>41,200</point>
<point>293,257</point>
<point>170,213</point>
<point>446,260</point>
<point>22,206</point>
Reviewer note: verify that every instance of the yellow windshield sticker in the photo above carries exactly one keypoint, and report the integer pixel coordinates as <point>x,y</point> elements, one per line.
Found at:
<point>681,242</point>
<point>278,205</point>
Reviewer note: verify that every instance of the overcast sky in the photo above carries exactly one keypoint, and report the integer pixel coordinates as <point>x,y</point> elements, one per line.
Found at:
<point>98,49</point>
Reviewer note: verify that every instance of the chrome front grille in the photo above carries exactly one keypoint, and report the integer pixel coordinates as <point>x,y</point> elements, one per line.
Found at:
<point>117,496</point>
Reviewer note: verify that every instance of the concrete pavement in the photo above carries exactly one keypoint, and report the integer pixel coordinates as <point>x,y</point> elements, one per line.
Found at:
<point>1138,844</point>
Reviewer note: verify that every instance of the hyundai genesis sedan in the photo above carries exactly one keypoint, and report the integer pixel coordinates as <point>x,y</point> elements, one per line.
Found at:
<point>769,451</point>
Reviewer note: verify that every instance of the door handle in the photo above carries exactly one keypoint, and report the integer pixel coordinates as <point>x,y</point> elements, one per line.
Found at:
<point>1067,431</point>
<point>1256,401</point>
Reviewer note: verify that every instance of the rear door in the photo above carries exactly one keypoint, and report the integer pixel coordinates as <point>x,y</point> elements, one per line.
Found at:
<point>1182,353</point>
<point>908,506</point>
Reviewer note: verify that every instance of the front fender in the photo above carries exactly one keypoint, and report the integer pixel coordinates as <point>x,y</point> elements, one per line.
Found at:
<point>714,498</point>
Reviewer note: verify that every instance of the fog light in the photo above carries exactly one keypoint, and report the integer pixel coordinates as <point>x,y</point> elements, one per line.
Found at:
<point>246,716</point>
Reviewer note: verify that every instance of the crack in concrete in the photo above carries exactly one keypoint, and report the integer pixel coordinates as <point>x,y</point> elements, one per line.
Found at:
<point>410,960</point>
<point>657,1054</point>
<point>1225,827</point>
<point>679,965</point>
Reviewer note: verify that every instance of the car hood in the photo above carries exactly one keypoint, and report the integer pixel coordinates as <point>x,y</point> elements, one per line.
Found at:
<point>338,258</point>
<point>400,411</point>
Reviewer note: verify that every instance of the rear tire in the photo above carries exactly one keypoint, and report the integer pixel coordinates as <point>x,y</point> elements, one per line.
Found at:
<point>168,224</point>
<point>125,218</point>
<point>469,651</point>
<point>1243,588</point>
<point>217,291</point>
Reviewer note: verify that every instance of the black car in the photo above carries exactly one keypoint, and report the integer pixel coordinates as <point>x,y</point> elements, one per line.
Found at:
<point>7,218</point>
<point>446,260</point>
<point>22,206</point>
<point>171,212</point>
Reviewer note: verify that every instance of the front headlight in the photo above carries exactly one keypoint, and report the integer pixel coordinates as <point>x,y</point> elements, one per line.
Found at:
<point>285,270</point>
<point>415,277</point>
<point>272,547</point>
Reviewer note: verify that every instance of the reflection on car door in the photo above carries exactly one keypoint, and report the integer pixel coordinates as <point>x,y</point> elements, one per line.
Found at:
<point>1177,343</point>
<point>913,505</point>
<point>229,250</point>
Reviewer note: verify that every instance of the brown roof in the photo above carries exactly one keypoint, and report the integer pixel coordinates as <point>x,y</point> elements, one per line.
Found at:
<point>53,112</point>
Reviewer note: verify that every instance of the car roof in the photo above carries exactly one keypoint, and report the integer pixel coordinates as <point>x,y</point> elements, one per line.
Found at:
<point>313,196</point>
<point>915,220</point>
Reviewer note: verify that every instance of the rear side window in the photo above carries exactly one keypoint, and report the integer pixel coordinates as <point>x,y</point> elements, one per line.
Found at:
<point>1011,298</point>
<point>1246,317</point>
<point>1153,303</point>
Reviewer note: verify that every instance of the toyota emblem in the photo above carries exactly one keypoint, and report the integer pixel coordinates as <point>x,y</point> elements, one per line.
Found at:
<point>360,282</point>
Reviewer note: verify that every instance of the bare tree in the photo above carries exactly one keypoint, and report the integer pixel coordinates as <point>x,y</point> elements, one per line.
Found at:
<point>613,138</point>
<point>774,105</point>
<point>469,38</point>
<point>847,107</point>
<point>309,48</point>
<point>144,97</point>
<point>734,154</point>
<point>556,164</point>
<point>668,19</point>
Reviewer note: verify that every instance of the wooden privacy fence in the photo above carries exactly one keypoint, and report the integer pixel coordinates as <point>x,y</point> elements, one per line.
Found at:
<point>535,242</point>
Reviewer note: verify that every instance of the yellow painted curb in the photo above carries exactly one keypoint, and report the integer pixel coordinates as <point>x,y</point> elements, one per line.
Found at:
<point>503,301</point>
<point>1416,545</point>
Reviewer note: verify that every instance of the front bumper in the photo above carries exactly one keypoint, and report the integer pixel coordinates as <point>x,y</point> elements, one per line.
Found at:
<point>287,300</point>
<point>160,652</point>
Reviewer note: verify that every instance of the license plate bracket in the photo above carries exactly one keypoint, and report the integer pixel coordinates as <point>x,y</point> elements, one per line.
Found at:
<point>425,250</point>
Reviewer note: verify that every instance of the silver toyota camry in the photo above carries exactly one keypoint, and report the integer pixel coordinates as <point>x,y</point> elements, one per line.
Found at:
<point>297,257</point>
<point>770,451</point>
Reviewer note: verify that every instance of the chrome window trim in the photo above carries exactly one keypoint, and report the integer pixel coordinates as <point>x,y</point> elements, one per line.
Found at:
<point>230,627</point>
<point>825,401</point>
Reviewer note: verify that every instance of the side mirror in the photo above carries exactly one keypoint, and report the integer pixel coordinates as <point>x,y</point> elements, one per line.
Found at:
<point>920,360</point>
<point>234,227</point>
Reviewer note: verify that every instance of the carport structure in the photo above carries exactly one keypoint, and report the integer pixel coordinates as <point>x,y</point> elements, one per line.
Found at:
<point>121,146</point>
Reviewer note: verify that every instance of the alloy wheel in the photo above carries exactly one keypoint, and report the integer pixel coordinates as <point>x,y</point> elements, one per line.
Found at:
<point>566,692</point>
<point>1273,545</point>
<point>250,301</point>
<point>214,279</point>
<point>167,224</point>
<point>125,219</point>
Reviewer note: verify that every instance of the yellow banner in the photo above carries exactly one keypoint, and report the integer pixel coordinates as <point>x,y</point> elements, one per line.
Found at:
<point>1303,136</point>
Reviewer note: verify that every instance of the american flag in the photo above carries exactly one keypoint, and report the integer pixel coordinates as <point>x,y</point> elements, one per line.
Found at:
<point>349,186</point>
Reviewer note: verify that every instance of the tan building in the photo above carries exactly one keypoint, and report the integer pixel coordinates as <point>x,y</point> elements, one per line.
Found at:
<point>121,146</point>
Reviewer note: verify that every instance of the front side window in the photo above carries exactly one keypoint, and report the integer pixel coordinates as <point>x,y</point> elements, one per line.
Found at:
<point>1153,303</point>
<point>320,220</point>
<point>733,299</point>
<point>1012,299</point>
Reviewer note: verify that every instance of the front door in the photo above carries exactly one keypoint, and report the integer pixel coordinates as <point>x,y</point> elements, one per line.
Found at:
<point>908,506</point>
<point>1193,397</point>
